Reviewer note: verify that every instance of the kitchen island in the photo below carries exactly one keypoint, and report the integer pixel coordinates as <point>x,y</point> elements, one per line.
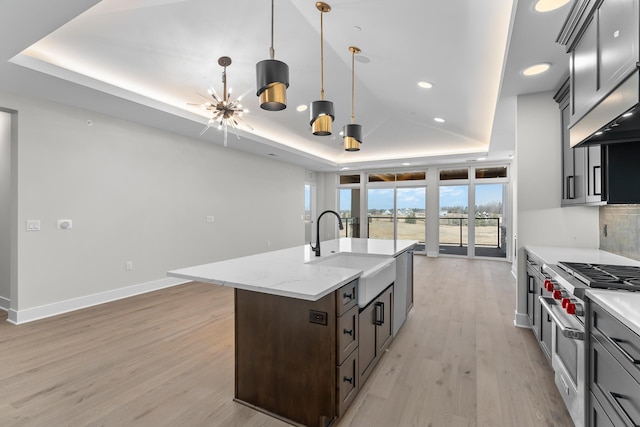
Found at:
<point>304,340</point>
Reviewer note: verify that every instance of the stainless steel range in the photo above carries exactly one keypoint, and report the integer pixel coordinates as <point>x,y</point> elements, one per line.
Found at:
<point>567,283</point>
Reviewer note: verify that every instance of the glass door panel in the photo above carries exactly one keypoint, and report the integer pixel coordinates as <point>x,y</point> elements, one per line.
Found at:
<point>380,213</point>
<point>454,225</point>
<point>411,203</point>
<point>490,228</point>
<point>349,202</point>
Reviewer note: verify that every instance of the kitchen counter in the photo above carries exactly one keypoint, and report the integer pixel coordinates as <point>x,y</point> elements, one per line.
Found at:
<point>553,255</point>
<point>624,306</point>
<point>288,273</point>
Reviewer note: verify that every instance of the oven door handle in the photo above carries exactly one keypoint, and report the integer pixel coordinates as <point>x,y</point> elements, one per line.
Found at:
<point>567,331</point>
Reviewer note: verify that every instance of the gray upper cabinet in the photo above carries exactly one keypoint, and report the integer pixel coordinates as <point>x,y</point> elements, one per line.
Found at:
<point>581,171</point>
<point>601,37</point>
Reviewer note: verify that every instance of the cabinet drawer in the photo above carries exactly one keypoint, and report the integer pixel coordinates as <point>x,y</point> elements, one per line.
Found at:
<point>347,382</point>
<point>347,333</point>
<point>346,297</point>
<point>599,416</point>
<point>621,341</point>
<point>612,385</point>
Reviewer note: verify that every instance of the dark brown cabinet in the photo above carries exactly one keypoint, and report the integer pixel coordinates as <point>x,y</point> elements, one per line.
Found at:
<point>297,359</point>
<point>375,331</point>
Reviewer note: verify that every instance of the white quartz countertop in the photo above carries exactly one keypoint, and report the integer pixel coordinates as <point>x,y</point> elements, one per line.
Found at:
<point>624,306</point>
<point>287,272</point>
<point>553,255</point>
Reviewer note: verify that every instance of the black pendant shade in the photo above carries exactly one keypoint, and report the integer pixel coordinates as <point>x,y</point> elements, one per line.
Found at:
<point>352,136</point>
<point>272,78</point>
<point>321,117</point>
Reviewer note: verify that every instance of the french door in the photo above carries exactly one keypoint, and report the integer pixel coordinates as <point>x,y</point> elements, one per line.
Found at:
<point>397,212</point>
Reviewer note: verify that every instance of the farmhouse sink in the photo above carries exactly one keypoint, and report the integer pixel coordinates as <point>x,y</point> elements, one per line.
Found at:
<point>378,272</point>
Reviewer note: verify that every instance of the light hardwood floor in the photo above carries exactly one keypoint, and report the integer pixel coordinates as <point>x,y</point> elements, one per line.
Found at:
<point>166,359</point>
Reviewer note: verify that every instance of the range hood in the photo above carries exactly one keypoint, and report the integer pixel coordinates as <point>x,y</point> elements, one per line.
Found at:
<point>614,119</point>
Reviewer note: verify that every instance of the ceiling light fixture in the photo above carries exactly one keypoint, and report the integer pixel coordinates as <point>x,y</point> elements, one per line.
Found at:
<point>225,112</point>
<point>549,5</point>
<point>425,85</point>
<point>272,79</point>
<point>352,132</point>
<point>301,108</point>
<point>536,69</point>
<point>439,120</point>
<point>322,113</point>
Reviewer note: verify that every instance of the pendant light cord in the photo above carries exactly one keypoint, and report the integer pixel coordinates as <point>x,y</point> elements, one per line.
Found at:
<point>321,58</point>
<point>272,51</point>
<point>353,87</point>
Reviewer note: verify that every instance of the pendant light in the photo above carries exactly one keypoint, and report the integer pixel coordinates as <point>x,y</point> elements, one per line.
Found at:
<point>321,111</point>
<point>352,133</point>
<point>272,79</point>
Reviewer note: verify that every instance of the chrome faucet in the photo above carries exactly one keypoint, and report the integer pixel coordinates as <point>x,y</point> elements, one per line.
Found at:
<point>316,249</point>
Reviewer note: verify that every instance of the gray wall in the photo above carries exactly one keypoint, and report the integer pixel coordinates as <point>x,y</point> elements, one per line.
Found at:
<point>5,206</point>
<point>539,218</point>
<point>136,194</point>
<point>623,230</point>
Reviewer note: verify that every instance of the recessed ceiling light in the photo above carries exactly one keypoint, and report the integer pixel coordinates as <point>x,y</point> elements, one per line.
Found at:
<point>599,132</point>
<point>549,5</point>
<point>439,120</point>
<point>536,69</point>
<point>302,107</point>
<point>425,85</point>
<point>481,159</point>
<point>344,169</point>
<point>406,164</point>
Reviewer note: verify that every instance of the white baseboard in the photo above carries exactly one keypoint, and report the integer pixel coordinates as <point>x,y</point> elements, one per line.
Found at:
<point>521,321</point>
<point>5,303</point>
<point>35,313</point>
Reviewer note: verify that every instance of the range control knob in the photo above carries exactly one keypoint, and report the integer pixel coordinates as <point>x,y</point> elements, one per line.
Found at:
<point>548,285</point>
<point>565,301</point>
<point>559,294</point>
<point>575,308</point>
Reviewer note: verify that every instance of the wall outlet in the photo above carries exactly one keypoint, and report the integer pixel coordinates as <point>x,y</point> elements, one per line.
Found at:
<point>128,266</point>
<point>65,224</point>
<point>33,225</point>
<point>210,218</point>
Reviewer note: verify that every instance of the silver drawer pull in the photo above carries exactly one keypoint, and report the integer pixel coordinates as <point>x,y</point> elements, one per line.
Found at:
<point>621,410</point>
<point>616,343</point>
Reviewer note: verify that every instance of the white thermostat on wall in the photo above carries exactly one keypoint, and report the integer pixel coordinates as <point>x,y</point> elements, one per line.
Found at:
<point>65,224</point>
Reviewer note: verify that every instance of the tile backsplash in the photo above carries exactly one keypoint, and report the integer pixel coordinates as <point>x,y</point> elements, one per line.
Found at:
<point>620,230</point>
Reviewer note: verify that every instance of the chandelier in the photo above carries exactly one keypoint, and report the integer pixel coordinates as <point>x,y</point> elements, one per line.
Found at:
<point>226,113</point>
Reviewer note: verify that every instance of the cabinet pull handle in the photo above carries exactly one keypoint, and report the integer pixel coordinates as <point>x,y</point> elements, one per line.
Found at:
<point>349,296</point>
<point>570,187</point>
<point>597,181</point>
<point>379,309</point>
<point>620,409</point>
<point>616,343</point>
<point>348,380</point>
<point>347,332</point>
<point>531,282</point>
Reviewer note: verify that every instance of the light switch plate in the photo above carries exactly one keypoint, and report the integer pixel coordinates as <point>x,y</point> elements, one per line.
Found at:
<point>210,218</point>
<point>33,225</point>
